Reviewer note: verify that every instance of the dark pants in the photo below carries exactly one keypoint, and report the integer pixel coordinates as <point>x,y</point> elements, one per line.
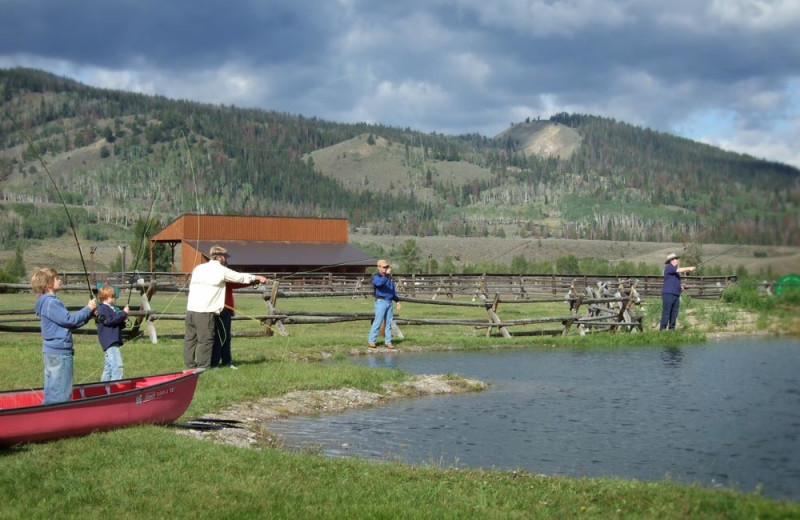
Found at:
<point>671,303</point>
<point>198,341</point>
<point>221,355</point>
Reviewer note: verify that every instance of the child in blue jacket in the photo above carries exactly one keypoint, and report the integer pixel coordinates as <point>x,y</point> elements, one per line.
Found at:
<point>57,325</point>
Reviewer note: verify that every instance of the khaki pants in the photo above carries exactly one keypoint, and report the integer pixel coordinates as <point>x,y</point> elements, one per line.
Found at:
<point>198,341</point>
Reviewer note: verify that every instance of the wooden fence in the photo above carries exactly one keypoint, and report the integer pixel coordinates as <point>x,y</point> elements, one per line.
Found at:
<point>436,285</point>
<point>591,303</point>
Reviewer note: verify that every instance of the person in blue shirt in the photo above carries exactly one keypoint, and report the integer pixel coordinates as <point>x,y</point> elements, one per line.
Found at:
<point>385,296</point>
<point>57,325</point>
<point>671,291</point>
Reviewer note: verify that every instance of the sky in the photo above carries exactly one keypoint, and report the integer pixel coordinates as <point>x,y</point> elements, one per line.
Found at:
<point>724,72</point>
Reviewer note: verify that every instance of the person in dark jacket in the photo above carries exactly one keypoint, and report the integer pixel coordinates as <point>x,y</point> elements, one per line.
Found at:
<point>671,291</point>
<point>110,323</point>
<point>57,325</point>
<point>385,296</point>
<point>221,353</point>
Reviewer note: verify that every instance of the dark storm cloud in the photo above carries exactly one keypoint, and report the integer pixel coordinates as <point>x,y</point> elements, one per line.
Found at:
<point>168,34</point>
<point>723,71</point>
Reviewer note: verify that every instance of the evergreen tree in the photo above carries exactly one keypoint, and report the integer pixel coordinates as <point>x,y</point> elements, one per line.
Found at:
<point>144,230</point>
<point>14,271</point>
<point>408,252</point>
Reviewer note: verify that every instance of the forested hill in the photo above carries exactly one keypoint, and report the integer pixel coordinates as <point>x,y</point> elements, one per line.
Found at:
<point>115,152</point>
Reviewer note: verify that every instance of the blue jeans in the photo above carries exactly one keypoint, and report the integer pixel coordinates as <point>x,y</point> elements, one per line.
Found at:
<point>57,377</point>
<point>112,369</point>
<point>671,304</point>
<point>383,311</point>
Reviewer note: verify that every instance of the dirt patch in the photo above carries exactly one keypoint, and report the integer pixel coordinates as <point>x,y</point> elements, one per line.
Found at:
<point>252,419</point>
<point>779,259</point>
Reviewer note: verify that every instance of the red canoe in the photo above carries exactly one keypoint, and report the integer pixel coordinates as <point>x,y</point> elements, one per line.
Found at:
<point>158,399</point>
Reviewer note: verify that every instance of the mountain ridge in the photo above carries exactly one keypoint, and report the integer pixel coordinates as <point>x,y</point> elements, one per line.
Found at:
<point>569,176</point>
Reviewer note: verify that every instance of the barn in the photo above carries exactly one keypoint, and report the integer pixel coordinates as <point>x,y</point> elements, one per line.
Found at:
<point>264,244</point>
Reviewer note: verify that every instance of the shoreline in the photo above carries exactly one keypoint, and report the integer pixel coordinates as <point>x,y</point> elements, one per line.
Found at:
<point>251,419</point>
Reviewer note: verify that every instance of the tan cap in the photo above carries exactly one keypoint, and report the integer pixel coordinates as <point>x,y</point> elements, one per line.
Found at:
<point>218,251</point>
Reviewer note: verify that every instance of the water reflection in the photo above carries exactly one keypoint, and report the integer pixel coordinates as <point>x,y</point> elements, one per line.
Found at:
<point>382,360</point>
<point>672,357</point>
<point>719,414</point>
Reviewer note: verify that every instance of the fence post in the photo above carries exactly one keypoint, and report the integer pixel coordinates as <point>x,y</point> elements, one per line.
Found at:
<point>493,317</point>
<point>147,295</point>
<point>271,307</point>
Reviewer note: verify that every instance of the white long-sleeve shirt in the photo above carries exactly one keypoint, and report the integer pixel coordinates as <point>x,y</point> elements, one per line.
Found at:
<point>207,288</point>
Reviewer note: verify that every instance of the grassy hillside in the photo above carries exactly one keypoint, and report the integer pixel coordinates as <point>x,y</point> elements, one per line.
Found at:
<point>572,176</point>
<point>369,163</point>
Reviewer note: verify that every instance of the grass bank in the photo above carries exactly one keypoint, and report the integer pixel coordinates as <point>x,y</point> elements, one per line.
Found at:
<point>150,472</point>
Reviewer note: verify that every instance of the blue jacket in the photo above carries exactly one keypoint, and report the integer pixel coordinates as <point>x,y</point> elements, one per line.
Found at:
<point>57,324</point>
<point>384,287</point>
<point>110,325</point>
<point>672,280</point>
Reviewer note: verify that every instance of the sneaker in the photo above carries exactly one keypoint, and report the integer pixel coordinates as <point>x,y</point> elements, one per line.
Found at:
<point>389,346</point>
<point>372,345</point>
<point>233,367</point>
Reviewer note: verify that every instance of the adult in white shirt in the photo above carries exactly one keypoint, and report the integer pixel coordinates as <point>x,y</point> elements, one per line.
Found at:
<point>206,300</point>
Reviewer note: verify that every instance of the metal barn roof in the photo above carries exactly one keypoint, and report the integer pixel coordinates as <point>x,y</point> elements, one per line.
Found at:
<point>301,254</point>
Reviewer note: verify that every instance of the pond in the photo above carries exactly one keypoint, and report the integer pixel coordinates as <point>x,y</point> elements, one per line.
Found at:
<point>720,414</point>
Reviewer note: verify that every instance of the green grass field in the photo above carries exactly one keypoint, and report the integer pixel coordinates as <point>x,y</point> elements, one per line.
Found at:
<point>151,472</point>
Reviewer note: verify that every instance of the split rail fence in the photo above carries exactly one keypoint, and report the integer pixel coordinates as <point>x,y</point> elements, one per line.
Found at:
<point>592,303</point>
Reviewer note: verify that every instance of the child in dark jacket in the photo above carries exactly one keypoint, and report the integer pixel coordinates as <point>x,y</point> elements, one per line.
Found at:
<point>110,323</point>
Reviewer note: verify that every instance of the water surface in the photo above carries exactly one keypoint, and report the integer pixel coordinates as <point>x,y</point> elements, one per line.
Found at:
<point>721,414</point>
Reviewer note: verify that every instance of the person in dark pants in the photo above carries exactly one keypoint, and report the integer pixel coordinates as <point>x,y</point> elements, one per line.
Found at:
<point>671,291</point>
<point>205,301</point>
<point>221,354</point>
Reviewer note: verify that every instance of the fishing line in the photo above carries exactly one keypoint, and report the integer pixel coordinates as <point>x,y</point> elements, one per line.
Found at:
<point>139,254</point>
<point>156,316</point>
<point>737,246</point>
<point>60,197</point>
<point>317,269</point>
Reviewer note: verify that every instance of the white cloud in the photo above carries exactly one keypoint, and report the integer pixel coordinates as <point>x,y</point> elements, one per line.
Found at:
<point>721,16</point>
<point>470,67</point>
<point>413,103</point>
<point>758,15</point>
<point>768,145</point>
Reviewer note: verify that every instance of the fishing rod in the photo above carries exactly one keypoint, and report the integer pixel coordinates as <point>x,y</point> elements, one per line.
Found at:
<point>60,197</point>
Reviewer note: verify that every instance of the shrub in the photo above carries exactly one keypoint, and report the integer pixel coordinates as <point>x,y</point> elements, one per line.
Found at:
<point>745,294</point>
<point>721,317</point>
